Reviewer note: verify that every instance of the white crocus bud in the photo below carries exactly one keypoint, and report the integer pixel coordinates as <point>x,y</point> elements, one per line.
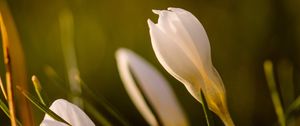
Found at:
<point>141,80</point>
<point>69,112</point>
<point>182,47</point>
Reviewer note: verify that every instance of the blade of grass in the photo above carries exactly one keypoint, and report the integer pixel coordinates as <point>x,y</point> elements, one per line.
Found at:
<point>5,109</point>
<point>9,87</point>
<point>41,106</point>
<point>14,65</point>
<point>37,88</point>
<point>268,68</point>
<point>3,89</point>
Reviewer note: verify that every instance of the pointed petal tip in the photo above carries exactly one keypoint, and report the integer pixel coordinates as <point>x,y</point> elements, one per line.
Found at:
<point>170,8</point>
<point>175,9</point>
<point>156,11</point>
<point>150,23</point>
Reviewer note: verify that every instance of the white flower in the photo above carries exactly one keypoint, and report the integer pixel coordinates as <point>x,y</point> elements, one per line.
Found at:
<point>140,78</point>
<point>69,112</point>
<point>182,47</point>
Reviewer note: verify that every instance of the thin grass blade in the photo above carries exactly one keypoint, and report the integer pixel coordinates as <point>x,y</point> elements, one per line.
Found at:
<point>5,109</point>
<point>268,68</point>
<point>40,105</point>
<point>3,89</point>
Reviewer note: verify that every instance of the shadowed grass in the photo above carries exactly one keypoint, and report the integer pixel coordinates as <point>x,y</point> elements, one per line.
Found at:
<point>268,68</point>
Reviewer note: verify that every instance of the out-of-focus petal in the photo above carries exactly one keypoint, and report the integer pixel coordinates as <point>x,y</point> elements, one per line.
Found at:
<point>155,88</point>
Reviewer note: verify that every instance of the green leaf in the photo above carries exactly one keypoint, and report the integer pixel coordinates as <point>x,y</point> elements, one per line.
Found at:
<point>40,105</point>
<point>6,111</point>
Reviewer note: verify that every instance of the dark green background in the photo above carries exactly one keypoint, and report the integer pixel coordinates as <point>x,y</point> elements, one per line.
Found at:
<point>243,33</point>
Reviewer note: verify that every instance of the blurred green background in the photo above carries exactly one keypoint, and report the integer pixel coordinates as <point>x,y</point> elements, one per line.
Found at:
<point>243,33</point>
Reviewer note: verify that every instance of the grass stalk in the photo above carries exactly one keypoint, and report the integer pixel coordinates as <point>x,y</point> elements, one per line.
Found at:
<point>9,87</point>
<point>3,89</point>
<point>268,68</point>
<point>15,66</point>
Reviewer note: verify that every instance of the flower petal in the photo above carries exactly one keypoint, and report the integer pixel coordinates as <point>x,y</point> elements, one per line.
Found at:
<point>155,88</point>
<point>195,30</point>
<point>69,112</point>
<point>168,53</point>
<point>187,32</point>
<point>182,47</point>
<point>52,123</point>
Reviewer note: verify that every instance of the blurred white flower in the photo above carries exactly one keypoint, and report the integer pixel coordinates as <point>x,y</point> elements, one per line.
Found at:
<point>182,47</point>
<point>69,112</point>
<point>140,78</point>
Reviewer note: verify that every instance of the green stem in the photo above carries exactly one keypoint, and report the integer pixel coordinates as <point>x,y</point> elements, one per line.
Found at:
<point>205,110</point>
